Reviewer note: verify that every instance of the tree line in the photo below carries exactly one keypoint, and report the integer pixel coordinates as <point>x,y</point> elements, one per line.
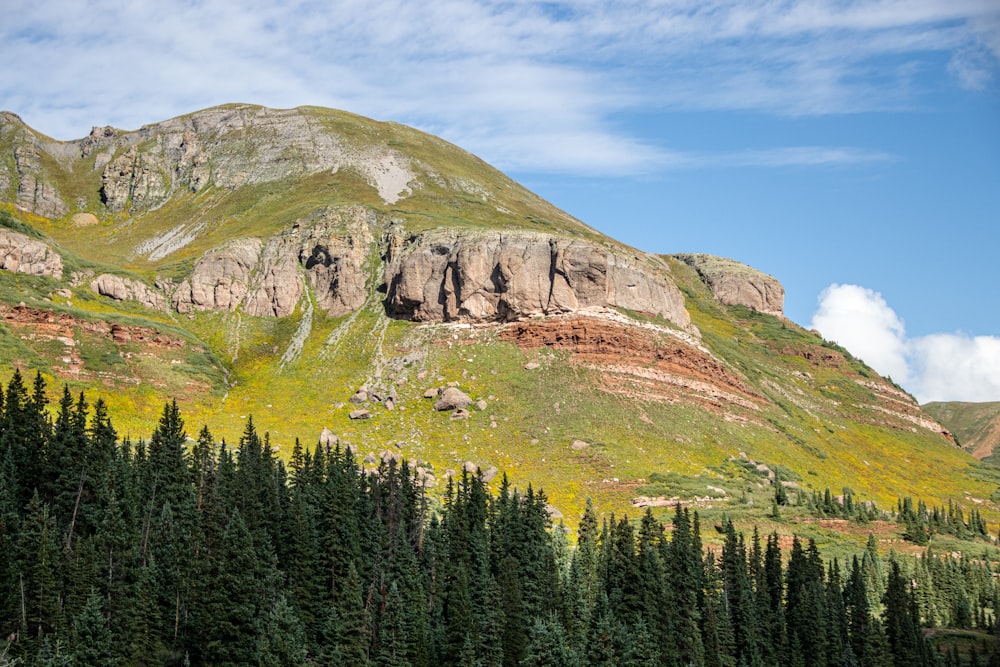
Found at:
<point>178,552</point>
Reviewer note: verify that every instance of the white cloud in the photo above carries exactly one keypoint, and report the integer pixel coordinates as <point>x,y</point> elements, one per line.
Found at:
<point>957,367</point>
<point>491,75</point>
<point>861,320</point>
<point>938,367</point>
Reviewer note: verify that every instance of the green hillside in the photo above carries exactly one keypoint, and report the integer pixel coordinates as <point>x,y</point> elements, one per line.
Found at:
<point>976,426</point>
<point>609,404</point>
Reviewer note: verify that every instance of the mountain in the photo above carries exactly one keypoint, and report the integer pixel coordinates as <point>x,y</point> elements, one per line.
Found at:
<point>360,282</point>
<point>976,425</point>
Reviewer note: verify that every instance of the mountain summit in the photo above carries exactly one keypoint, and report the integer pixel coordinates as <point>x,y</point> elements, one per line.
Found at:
<point>335,277</point>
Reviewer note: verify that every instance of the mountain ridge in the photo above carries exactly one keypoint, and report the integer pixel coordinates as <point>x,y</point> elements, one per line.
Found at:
<point>292,274</point>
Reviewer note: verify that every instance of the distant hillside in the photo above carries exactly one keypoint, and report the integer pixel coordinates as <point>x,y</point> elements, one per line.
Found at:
<point>976,426</point>
<point>332,276</point>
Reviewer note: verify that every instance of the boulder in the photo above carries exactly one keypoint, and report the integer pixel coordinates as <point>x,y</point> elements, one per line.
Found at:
<point>451,399</point>
<point>460,413</point>
<point>359,414</point>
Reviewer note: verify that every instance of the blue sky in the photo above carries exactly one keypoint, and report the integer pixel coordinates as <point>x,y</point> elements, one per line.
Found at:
<point>850,148</point>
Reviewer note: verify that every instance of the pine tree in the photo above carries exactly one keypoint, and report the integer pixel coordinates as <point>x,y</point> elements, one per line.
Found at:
<point>283,637</point>
<point>902,629</point>
<point>37,553</point>
<point>91,642</point>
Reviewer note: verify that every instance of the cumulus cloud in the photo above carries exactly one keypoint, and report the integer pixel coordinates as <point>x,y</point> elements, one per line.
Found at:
<point>938,367</point>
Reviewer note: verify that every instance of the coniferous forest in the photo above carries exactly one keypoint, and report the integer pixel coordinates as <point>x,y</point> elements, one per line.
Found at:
<point>173,552</point>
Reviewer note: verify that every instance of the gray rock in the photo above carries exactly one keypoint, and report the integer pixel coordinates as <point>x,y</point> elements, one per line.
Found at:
<point>531,365</point>
<point>22,254</point>
<point>490,474</point>
<point>452,398</point>
<point>327,438</point>
<point>481,405</point>
<point>359,414</point>
<point>328,248</point>
<point>127,289</point>
<point>433,392</point>
<point>34,193</point>
<point>139,180</point>
<point>360,396</point>
<point>502,276</point>
<point>460,413</point>
<point>733,283</point>
<point>577,445</point>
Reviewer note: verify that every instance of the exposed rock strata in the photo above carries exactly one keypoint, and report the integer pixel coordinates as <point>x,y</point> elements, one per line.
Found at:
<point>733,283</point>
<point>50,325</point>
<point>642,365</point>
<point>496,276</point>
<point>603,343</point>
<point>22,254</point>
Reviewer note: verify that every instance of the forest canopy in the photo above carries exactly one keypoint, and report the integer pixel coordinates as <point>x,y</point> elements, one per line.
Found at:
<point>178,551</point>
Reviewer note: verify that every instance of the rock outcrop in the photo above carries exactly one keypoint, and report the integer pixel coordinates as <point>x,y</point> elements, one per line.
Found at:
<point>22,254</point>
<point>34,193</point>
<point>230,147</point>
<point>127,289</point>
<point>733,283</point>
<point>497,276</point>
<point>267,279</point>
<point>135,180</point>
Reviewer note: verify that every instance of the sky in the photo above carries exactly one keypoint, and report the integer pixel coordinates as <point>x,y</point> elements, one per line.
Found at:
<point>849,148</point>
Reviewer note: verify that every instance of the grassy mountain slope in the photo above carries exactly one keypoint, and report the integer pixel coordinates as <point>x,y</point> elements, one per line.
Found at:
<point>619,406</point>
<point>976,425</point>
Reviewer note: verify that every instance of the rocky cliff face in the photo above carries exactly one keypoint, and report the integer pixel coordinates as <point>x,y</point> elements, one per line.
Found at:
<point>497,276</point>
<point>268,278</point>
<point>439,276</point>
<point>31,189</point>
<point>230,147</point>
<point>736,284</point>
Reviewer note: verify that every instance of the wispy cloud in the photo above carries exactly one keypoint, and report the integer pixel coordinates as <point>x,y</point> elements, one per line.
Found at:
<point>527,85</point>
<point>938,367</point>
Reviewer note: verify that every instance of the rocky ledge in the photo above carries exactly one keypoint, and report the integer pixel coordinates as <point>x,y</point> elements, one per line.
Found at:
<point>504,276</point>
